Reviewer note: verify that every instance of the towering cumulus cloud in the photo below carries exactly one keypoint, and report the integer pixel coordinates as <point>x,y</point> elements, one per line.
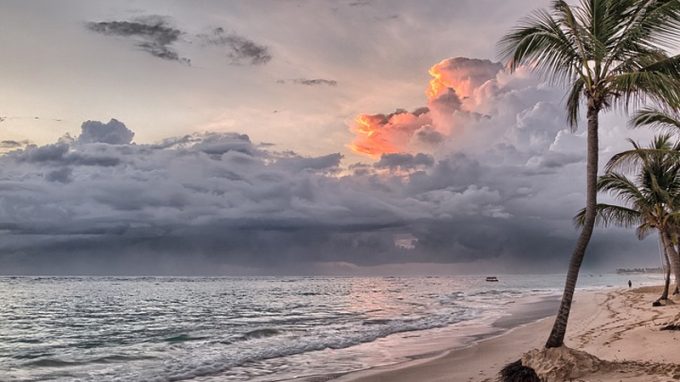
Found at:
<point>453,89</point>
<point>462,75</point>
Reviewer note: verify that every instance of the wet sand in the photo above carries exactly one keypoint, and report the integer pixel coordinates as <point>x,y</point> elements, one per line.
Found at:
<point>619,326</point>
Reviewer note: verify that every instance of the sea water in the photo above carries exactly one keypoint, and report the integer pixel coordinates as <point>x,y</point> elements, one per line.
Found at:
<point>241,329</point>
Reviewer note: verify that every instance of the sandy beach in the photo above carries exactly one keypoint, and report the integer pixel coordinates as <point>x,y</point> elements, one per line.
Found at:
<point>619,327</point>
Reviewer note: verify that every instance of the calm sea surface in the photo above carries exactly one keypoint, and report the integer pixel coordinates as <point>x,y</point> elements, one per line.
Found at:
<point>239,329</point>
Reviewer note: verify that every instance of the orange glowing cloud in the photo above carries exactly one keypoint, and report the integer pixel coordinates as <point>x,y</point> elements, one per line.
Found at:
<point>437,85</point>
<point>453,81</point>
<point>370,136</point>
<point>379,134</point>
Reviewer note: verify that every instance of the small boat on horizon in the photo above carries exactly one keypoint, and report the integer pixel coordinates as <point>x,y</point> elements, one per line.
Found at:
<point>492,279</point>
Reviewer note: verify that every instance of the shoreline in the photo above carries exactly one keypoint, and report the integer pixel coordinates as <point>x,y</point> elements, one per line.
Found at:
<point>440,342</point>
<point>523,313</point>
<point>422,346</point>
<point>519,322</point>
<point>617,325</point>
<point>527,311</point>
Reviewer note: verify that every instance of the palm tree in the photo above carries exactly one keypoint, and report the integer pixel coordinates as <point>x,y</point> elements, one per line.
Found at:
<point>664,117</point>
<point>610,54</point>
<point>651,201</point>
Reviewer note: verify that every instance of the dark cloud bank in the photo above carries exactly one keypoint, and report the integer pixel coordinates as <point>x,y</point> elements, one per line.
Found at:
<point>497,191</point>
<point>213,203</point>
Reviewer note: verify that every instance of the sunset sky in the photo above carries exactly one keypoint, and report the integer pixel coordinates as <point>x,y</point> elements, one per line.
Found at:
<point>333,137</point>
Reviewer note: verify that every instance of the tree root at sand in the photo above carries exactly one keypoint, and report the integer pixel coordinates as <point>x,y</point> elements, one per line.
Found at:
<point>515,372</point>
<point>663,302</point>
<point>565,364</point>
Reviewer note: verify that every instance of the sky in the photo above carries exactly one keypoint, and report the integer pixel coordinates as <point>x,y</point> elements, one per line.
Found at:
<point>287,137</point>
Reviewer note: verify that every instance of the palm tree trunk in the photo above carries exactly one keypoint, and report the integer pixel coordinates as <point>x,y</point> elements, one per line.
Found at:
<point>677,250</point>
<point>559,329</point>
<point>673,257</point>
<point>667,281</point>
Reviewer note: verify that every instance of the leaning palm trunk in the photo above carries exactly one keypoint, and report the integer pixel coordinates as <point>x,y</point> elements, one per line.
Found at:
<point>673,257</point>
<point>559,329</point>
<point>667,283</point>
<point>667,272</point>
<point>676,290</point>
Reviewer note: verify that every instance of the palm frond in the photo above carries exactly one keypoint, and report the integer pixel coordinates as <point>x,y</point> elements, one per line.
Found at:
<point>643,231</point>
<point>609,214</point>
<point>639,87</point>
<point>539,41</point>
<point>647,23</point>
<point>659,118</point>
<point>574,102</point>
<point>630,160</point>
<point>621,187</point>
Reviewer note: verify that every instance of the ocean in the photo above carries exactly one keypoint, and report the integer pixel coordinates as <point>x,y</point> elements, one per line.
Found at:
<point>251,328</point>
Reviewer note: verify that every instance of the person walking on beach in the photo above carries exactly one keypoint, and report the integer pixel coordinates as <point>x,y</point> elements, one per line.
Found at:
<point>630,283</point>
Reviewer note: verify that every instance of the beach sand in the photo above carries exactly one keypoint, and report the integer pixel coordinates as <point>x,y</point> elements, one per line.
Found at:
<point>619,327</point>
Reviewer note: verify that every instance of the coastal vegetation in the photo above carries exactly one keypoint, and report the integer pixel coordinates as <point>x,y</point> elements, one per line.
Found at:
<point>650,198</point>
<point>611,55</point>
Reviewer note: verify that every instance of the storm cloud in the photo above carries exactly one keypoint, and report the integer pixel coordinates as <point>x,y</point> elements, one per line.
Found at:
<point>487,172</point>
<point>93,204</point>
